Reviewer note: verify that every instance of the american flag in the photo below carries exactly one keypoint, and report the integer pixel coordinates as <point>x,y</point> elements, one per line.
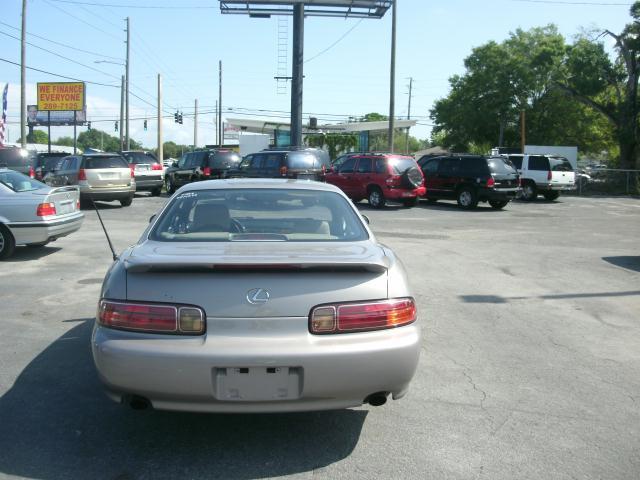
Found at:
<point>3,123</point>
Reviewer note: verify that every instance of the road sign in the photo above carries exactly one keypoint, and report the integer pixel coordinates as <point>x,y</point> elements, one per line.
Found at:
<point>37,117</point>
<point>323,8</point>
<point>57,96</point>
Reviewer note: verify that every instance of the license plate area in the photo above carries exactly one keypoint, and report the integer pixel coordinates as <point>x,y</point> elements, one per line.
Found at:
<point>257,384</point>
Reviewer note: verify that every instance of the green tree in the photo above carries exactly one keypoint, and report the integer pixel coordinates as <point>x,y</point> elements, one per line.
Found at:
<point>64,142</point>
<point>609,87</point>
<point>336,143</point>
<point>38,137</point>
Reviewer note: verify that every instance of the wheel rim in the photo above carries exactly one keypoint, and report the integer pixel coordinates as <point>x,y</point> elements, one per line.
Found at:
<point>528,191</point>
<point>465,198</point>
<point>374,198</point>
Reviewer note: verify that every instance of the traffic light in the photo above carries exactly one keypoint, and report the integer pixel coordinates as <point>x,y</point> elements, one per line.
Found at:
<point>175,117</point>
<point>180,118</point>
<point>145,125</point>
<point>88,125</point>
<point>116,129</point>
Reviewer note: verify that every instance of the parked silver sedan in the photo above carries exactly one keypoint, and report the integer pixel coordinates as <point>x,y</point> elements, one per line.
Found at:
<point>34,214</point>
<point>256,296</point>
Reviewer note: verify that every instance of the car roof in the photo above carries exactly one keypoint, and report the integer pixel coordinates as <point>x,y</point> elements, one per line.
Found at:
<point>260,183</point>
<point>101,154</point>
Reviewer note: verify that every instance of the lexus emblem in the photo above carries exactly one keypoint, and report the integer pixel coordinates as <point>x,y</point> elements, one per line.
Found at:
<point>258,296</point>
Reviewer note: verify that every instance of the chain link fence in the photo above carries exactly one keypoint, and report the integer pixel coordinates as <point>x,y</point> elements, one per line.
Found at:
<point>608,182</point>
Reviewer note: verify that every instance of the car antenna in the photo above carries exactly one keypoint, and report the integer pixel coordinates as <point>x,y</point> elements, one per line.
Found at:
<point>113,252</point>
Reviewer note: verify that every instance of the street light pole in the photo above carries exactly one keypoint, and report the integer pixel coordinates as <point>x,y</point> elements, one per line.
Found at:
<point>392,83</point>
<point>297,75</point>
<point>128,140</point>
<point>23,74</point>
<point>121,127</point>
<point>160,145</point>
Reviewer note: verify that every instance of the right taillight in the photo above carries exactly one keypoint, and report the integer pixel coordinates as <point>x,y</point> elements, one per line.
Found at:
<point>82,175</point>
<point>549,175</point>
<point>151,318</point>
<point>283,171</point>
<point>362,316</point>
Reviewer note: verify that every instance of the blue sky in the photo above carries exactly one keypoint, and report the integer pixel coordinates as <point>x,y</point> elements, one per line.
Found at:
<point>184,44</point>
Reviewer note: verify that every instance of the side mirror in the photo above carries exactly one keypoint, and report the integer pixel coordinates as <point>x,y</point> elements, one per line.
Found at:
<point>366,219</point>
<point>152,217</point>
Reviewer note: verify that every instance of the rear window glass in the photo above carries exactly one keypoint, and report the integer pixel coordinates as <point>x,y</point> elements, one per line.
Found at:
<point>14,157</point>
<point>49,161</point>
<point>308,160</point>
<point>560,164</point>
<point>400,165</point>
<point>287,215</point>
<point>19,183</point>
<point>501,165</point>
<point>140,157</point>
<point>224,159</point>
<point>104,162</point>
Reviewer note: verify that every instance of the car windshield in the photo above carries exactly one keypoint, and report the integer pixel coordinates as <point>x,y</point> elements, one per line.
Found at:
<point>49,162</point>
<point>560,164</point>
<point>19,183</point>
<point>245,214</point>
<point>501,165</point>
<point>104,162</point>
<point>140,157</point>
<point>401,165</point>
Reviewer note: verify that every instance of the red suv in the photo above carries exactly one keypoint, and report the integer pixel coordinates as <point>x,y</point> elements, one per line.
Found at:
<point>379,177</point>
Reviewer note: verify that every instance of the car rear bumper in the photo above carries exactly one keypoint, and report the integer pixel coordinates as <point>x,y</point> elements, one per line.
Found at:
<point>401,193</point>
<point>189,373</point>
<point>499,195</point>
<point>143,183</point>
<point>556,187</point>
<point>108,194</point>
<point>26,233</point>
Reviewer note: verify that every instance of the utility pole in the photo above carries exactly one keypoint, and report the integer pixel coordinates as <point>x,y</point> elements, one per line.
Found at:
<point>128,139</point>
<point>121,127</point>
<point>160,145</point>
<point>215,121</point>
<point>523,140</point>
<point>195,126</point>
<point>409,114</point>
<point>23,75</point>
<point>220,133</point>
<point>392,82</point>
<point>297,75</point>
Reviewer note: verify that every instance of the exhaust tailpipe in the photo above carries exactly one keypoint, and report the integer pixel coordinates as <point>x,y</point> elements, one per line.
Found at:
<point>137,402</point>
<point>377,399</point>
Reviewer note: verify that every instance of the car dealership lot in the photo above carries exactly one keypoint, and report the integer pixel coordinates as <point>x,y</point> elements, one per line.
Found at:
<point>530,365</point>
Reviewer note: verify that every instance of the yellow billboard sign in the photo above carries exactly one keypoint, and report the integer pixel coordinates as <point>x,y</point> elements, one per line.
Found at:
<point>56,96</point>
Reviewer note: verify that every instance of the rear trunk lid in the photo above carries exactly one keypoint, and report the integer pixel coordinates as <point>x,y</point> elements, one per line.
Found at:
<point>65,199</point>
<point>107,171</point>
<point>254,279</point>
<point>561,172</point>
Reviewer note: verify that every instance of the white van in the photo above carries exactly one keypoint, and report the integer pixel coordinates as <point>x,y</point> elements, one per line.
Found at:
<point>543,174</point>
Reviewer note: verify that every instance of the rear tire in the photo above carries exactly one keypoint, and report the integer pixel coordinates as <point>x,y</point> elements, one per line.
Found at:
<point>376,198</point>
<point>7,243</point>
<point>467,198</point>
<point>529,192</point>
<point>551,196</point>
<point>156,192</point>
<point>171,188</point>
<point>498,205</point>
<point>410,202</point>
<point>125,202</point>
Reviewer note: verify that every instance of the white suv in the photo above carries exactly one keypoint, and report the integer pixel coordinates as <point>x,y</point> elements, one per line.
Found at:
<point>544,174</point>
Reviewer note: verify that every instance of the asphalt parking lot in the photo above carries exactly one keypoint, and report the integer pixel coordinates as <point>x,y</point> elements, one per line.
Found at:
<point>530,365</point>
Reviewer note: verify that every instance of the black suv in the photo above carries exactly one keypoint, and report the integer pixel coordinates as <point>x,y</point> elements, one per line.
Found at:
<point>301,163</point>
<point>18,159</point>
<point>201,165</point>
<point>470,179</point>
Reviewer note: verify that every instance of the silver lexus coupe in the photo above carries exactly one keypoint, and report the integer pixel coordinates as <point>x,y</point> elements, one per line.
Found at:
<point>256,296</point>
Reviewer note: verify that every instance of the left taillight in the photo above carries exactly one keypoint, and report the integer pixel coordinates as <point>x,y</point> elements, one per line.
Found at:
<point>32,172</point>
<point>45,209</point>
<point>151,318</point>
<point>362,316</point>
<point>491,182</point>
<point>156,166</point>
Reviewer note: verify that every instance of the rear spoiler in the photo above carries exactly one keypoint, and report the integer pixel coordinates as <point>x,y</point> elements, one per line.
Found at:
<point>204,267</point>
<point>68,188</point>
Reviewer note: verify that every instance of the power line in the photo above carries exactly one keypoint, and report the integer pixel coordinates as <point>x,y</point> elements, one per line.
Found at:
<point>60,76</point>
<point>73,47</point>
<point>155,7</point>
<point>81,20</point>
<point>334,43</point>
